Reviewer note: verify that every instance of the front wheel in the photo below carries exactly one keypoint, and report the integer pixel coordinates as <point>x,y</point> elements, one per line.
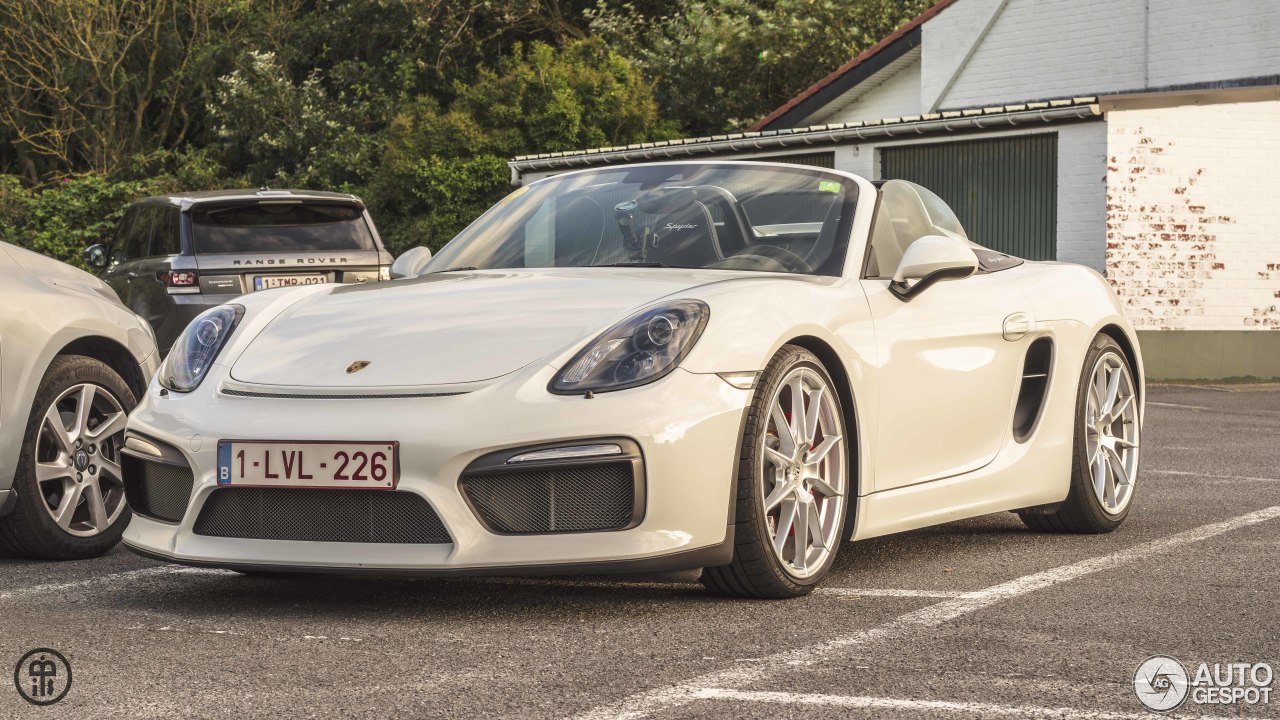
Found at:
<point>71,502</point>
<point>793,483</point>
<point>1104,467</point>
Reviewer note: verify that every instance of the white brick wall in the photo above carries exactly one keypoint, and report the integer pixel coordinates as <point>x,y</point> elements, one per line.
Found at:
<point>1193,215</point>
<point>1062,48</point>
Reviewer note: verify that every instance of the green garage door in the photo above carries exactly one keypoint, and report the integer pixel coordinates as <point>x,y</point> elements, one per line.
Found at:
<point>1005,191</point>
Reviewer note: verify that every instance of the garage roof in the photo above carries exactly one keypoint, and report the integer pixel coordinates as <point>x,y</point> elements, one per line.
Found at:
<point>764,140</point>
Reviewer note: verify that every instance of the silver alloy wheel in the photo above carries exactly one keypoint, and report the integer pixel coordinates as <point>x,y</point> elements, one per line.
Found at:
<point>77,460</point>
<point>804,479</point>
<point>1111,432</point>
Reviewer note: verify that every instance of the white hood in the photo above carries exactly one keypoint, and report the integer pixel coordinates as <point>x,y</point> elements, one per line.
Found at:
<point>448,328</point>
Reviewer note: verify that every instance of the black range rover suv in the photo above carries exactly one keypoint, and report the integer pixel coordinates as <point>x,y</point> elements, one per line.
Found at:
<point>173,257</point>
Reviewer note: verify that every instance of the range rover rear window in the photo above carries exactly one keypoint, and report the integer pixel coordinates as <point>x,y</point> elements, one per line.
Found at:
<point>279,227</point>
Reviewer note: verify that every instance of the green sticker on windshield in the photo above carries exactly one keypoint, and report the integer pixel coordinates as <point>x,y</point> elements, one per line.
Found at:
<point>828,186</point>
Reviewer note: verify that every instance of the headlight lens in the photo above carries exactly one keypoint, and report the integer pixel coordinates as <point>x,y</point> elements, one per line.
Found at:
<point>195,349</point>
<point>638,350</point>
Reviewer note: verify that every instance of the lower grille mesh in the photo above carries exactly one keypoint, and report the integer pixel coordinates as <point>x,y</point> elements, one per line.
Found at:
<point>320,515</point>
<point>156,490</point>
<point>566,499</point>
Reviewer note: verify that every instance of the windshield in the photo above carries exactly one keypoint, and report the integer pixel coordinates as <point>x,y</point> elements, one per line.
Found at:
<point>280,227</point>
<point>716,216</point>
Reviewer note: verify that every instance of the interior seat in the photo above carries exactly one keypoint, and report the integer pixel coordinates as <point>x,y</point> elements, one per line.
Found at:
<point>682,230</point>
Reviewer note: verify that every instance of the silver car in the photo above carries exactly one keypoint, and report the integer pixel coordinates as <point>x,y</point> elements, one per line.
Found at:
<point>73,362</point>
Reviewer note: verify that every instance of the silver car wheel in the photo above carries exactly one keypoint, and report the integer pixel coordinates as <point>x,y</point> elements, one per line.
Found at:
<point>1111,432</point>
<point>803,481</point>
<point>77,462</point>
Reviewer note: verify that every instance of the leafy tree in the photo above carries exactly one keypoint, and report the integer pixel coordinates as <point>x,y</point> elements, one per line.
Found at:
<point>719,65</point>
<point>85,84</point>
<point>442,167</point>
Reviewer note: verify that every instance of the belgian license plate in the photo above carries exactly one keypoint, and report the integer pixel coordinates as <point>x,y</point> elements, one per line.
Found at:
<point>259,463</point>
<point>266,282</point>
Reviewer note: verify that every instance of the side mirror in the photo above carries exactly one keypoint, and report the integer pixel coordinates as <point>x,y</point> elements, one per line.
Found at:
<point>930,259</point>
<point>410,263</point>
<point>95,256</point>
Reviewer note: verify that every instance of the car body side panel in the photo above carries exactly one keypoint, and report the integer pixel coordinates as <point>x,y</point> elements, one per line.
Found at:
<point>47,306</point>
<point>1071,305</point>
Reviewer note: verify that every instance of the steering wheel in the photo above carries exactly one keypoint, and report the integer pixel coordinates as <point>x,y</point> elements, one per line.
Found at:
<point>781,256</point>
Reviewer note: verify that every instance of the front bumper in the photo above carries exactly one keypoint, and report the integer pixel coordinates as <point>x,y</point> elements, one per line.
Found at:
<point>687,427</point>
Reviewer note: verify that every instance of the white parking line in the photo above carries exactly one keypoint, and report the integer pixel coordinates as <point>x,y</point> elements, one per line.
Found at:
<point>886,592</point>
<point>919,707</point>
<point>102,580</point>
<point>1184,473</point>
<point>646,703</point>
<point>1176,405</point>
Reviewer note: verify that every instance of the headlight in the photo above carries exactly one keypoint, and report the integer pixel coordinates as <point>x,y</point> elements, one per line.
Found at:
<point>638,350</point>
<point>195,349</point>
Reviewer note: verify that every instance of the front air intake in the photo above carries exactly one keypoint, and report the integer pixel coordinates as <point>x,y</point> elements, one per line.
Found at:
<point>320,515</point>
<point>157,489</point>
<point>548,489</point>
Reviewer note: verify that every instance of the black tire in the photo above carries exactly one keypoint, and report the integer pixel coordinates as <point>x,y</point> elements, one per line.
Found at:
<point>28,530</point>
<point>1081,512</point>
<point>756,571</point>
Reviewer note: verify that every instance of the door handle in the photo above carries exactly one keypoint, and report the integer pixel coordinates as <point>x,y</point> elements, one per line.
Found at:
<point>131,276</point>
<point>1016,326</point>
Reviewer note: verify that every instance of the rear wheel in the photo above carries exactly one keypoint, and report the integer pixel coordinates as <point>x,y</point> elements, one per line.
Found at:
<point>70,494</point>
<point>1104,467</point>
<point>792,485</point>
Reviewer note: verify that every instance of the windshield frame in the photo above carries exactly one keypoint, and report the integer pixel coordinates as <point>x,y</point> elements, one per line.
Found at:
<point>498,221</point>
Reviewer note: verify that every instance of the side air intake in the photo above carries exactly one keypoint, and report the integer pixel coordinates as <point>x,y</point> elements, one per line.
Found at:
<point>1036,370</point>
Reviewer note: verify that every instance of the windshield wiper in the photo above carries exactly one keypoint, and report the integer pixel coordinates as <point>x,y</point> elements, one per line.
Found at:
<point>456,269</point>
<point>636,263</point>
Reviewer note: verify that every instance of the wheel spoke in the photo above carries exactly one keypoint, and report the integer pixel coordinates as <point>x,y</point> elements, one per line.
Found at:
<point>1127,443</point>
<point>1098,389</point>
<point>811,417</point>
<point>815,527</point>
<point>1118,411</point>
<point>53,424</point>
<point>109,467</point>
<point>786,519</point>
<point>97,507</point>
<point>817,454</point>
<point>1113,391</point>
<point>779,493</point>
<point>798,432</point>
<point>801,549</point>
<point>777,458</point>
<point>1109,499</point>
<point>1100,475</point>
<point>67,507</point>
<point>1117,467</point>
<point>824,487</point>
<point>84,406</point>
<point>113,424</point>
<point>52,471</point>
<point>786,441</point>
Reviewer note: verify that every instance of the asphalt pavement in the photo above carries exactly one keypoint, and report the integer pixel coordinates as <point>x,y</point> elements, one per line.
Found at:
<point>980,618</point>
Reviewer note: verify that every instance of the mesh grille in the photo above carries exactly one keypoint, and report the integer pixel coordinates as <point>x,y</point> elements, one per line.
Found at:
<point>346,516</point>
<point>156,490</point>
<point>571,499</point>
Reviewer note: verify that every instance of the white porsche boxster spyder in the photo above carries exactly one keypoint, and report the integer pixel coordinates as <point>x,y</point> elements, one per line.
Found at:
<point>722,365</point>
